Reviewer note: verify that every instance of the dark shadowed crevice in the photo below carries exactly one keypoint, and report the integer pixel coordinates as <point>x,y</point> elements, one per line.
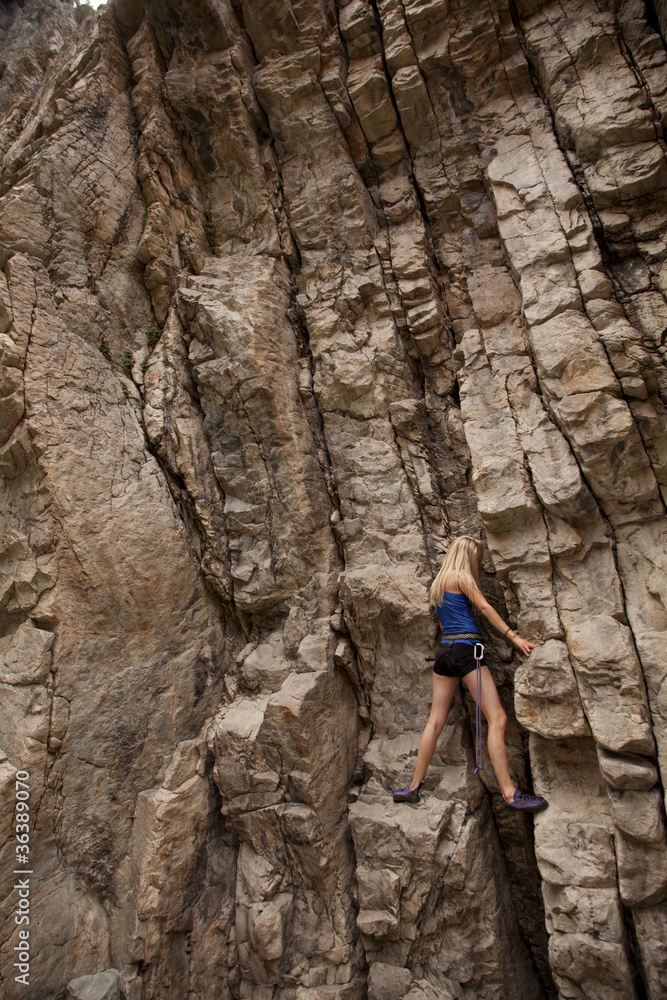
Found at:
<point>653,20</point>
<point>635,961</point>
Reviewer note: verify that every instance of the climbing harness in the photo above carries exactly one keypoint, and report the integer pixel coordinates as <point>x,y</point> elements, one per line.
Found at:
<point>478,653</point>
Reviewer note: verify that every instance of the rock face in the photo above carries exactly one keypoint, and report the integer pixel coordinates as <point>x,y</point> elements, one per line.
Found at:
<point>291,293</point>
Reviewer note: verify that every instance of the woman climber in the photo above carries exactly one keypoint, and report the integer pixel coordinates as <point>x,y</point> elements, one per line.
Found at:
<point>453,592</point>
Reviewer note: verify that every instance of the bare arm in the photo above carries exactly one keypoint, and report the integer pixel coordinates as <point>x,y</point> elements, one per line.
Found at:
<point>491,615</point>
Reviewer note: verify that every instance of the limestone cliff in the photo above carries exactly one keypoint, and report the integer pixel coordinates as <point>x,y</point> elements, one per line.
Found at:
<point>291,292</point>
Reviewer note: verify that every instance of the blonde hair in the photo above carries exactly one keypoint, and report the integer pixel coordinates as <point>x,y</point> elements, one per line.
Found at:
<point>461,559</point>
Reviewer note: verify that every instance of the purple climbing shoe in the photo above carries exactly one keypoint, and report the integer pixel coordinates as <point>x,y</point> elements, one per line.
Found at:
<point>526,802</point>
<point>407,794</point>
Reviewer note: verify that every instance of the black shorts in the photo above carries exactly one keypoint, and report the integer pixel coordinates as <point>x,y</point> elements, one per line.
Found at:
<point>457,663</point>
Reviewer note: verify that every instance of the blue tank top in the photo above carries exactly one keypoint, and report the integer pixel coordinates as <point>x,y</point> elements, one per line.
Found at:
<point>455,615</point>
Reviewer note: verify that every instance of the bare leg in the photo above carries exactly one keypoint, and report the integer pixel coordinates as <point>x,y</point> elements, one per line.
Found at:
<point>494,713</point>
<point>443,695</point>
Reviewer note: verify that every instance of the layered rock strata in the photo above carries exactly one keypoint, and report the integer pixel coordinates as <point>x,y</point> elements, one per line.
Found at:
<point>292,293</point>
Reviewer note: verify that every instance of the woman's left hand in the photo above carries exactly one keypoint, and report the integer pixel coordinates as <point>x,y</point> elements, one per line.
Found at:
<point>524,645</point>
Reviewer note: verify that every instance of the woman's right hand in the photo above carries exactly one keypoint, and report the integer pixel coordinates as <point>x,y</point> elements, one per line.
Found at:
<point>523,644</point>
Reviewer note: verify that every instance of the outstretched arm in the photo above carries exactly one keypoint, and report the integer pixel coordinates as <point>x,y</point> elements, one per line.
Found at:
<point>491,615</point>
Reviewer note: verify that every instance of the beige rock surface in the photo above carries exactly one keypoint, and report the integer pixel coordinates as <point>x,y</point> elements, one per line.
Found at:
<point>291,293</point>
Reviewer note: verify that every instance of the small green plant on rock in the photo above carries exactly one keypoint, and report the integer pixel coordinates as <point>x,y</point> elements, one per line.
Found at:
<point>152,336</point>
<point>128,362</point>
<point>126,391</point>
<point>211,236</point>
<point>104,349</point>
<point>81,11</point>
<point>144,366</point>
